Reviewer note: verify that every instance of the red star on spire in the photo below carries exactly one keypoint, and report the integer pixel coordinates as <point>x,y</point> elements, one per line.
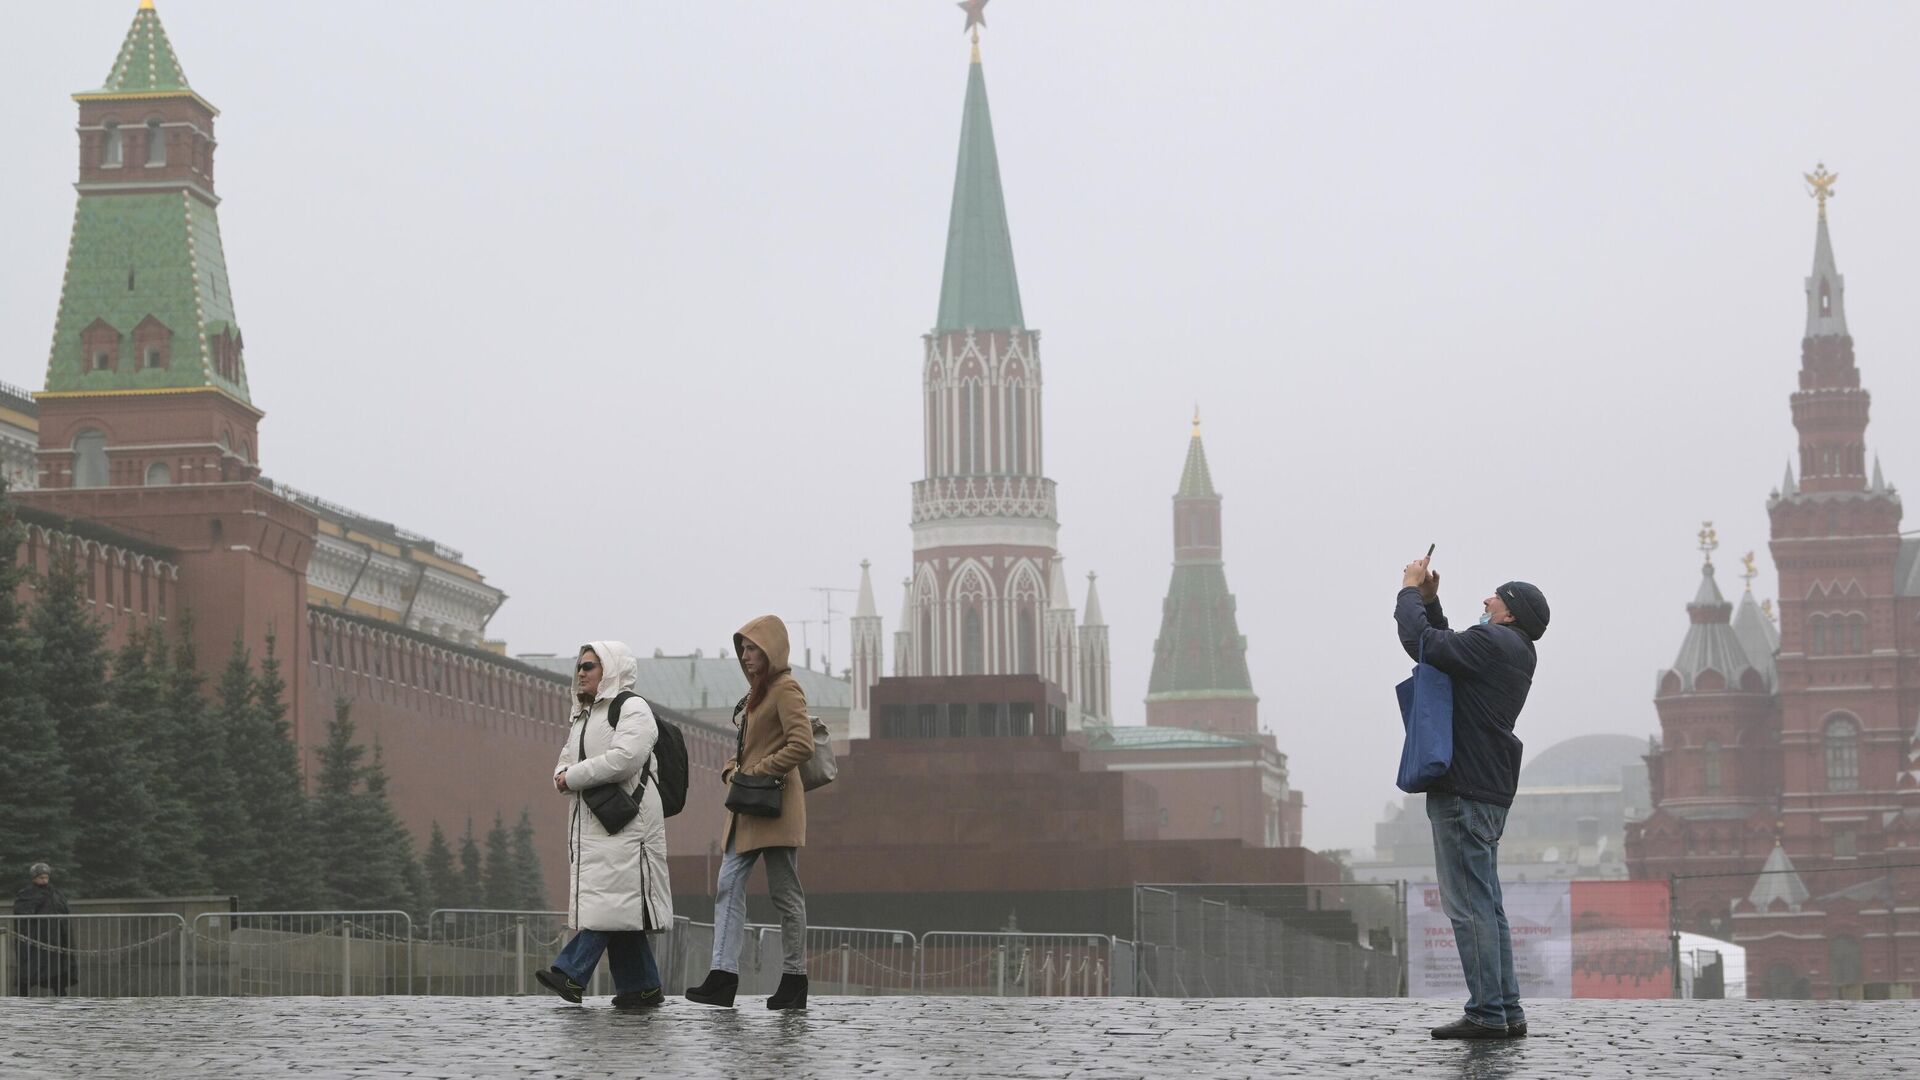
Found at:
<point>976,13</point>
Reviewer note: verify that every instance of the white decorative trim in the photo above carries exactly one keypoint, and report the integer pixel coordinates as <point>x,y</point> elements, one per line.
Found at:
<point>985,532</point>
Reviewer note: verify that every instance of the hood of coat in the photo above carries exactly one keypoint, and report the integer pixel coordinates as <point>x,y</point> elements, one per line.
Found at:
<point>617,669</point>
<point>770,634</point>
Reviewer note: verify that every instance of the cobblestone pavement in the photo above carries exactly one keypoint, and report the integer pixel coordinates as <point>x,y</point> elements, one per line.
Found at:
<point>942,1037</point>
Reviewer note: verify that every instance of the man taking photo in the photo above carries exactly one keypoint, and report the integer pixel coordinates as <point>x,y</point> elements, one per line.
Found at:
<point>1491,666</point>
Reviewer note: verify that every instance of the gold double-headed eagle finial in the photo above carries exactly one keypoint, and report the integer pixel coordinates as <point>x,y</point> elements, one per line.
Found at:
<point>1709,540</point>
<point>1750,571</point>
<point>1820,186</point>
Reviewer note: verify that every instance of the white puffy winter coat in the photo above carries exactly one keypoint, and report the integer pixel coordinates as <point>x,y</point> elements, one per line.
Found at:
<point>619,881</point>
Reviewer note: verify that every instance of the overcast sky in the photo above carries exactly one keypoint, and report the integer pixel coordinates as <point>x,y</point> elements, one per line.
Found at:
<point>624,300</point>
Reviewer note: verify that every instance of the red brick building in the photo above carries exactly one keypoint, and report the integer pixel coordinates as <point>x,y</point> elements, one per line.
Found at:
<point>149,465</point>
<point>1786,770</point>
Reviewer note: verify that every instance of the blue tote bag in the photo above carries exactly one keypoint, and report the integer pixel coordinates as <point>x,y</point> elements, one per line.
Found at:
<point>1426,711</point>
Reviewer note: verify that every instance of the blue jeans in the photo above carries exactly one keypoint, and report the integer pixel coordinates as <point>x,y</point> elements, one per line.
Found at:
<point>1466,855</point>
<point>730,907</point>
<point>628,953</point>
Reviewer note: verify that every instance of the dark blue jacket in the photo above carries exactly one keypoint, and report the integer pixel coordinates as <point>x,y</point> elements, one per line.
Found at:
<point>1492,670</point>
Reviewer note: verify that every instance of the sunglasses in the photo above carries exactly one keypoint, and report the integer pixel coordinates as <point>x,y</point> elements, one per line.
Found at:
<point>588,666</point>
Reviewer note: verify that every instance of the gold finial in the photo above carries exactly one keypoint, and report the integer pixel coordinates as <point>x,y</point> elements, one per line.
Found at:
<point>146,5</point>
<point>1709,540</point>
<point>1196,419</point>
<point>1820,186</point>
<point>1749,573</point>
<point>1766,608</point>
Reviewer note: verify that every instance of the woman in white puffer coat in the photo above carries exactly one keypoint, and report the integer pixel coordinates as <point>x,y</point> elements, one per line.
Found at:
<point>619,892</point>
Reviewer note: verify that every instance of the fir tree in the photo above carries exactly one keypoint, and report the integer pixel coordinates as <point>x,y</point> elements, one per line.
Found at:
<point>529,885</point>
<point>473,890</point>
<point>107,844</point>
<point>501,893</point>
<point>363,849</point>
<point>268,775</point>
<point>203,780</point>
<point>36,796</point>
<point>169,857</point>
<point>442,877</point>
<point>240,868</point>
<point>390,842</point>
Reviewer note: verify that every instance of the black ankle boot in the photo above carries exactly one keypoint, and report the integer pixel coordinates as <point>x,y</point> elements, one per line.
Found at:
<point>792,993</point>
<point>717,990</point>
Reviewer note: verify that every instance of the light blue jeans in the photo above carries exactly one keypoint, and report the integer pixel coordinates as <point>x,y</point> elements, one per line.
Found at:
<point>1466,855</point>
<point>730,907</point>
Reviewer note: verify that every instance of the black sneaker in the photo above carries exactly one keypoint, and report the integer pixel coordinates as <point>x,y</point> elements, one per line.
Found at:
<point>1517,1031</point>
<point>557,981</point>
<point>640,999</point>
<point>1464,1028</point>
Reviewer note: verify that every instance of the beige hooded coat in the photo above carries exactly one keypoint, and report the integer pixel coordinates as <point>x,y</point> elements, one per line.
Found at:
<point>778,737</point>
<point>618,881</point>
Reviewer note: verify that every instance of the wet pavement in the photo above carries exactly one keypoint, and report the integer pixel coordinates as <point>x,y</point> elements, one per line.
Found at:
<point>942,1037</point>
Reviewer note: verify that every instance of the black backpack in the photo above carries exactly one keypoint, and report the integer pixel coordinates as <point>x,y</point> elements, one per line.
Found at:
<point>669,756</point>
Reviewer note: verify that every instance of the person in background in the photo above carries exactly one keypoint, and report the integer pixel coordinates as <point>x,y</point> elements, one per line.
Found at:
<point>43,948</point>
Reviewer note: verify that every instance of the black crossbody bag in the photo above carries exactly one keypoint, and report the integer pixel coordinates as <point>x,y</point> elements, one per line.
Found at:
<point>754,796</point>
<point>610,803</point>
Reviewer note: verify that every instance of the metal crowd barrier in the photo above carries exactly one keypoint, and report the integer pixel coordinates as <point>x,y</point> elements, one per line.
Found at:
<point>282,953</point>
<point>94,955</point>
<point>1016,964</point>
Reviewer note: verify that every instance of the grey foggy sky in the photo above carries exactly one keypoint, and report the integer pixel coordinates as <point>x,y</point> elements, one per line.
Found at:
<point>624,300</point>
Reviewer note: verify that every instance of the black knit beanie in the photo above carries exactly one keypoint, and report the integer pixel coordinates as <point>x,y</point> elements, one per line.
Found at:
<point>1528,605</point>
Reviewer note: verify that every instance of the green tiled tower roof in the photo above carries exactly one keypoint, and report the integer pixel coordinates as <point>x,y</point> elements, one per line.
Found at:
<point>137,255</point>
<point>153,253</point>
<point>1195,479</point>
<point>1200,652</point>
<point>978,288</point>
<point>146,63</point>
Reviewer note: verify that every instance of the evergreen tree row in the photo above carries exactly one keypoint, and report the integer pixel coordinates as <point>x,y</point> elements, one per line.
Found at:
<point>133,778</point>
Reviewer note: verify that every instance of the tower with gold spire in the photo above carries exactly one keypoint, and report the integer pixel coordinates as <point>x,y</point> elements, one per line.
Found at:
<point>1200,678</point>
<point>146,423</point>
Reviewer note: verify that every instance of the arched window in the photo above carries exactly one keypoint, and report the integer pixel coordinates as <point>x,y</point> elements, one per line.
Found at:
<point>965,464</point>
<point>111,148</point>
<point>1018,394</point>
<point>1817,636</point>
<point>1711,755</point>
<point>159,475</point>
<point>973,642</point>
<point>156,144</point>
<point>1027,652</point>
<point>1843,754</point>
<point>1843,960</point>
<point>1826,298</point>
<point>926,639</point>
<point>90,459</point>
<point>1857,635</point>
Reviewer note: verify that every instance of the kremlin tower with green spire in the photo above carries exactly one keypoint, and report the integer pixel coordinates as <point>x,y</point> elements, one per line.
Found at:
<point>988,593</point>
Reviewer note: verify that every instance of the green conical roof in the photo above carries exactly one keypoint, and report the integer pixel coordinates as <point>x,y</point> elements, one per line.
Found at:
<point>1200,652</point>
<point>1196,481</point>
<point>146,64</point>
<point>141,256</point>
<point>978,288</point>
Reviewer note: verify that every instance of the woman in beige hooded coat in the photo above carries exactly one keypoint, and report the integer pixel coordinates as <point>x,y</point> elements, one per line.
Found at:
<point>775,737</point>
